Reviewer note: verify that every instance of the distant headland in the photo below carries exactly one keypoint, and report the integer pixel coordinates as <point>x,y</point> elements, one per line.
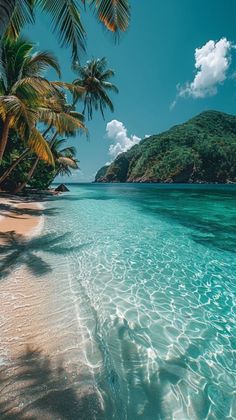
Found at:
<point>202,150</point>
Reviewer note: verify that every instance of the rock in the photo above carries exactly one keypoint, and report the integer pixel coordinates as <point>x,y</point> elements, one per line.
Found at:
<point>62,188</point>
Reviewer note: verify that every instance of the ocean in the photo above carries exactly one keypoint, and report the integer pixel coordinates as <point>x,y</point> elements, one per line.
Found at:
<point>138,304</point>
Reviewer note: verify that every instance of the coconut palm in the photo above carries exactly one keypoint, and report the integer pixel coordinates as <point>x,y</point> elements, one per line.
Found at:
<point>65,121</point>
<point>66,18</point>
<point>23,90</point>
<point>94,78</point>
<point>60,118</point>
<point>65,158</point>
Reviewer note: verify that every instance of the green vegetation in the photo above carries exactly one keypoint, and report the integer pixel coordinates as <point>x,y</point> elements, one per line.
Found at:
<point>201,150</point>
<point>35,113</point>
<point>65,17</point>
<point>94,78</point>
<point>23,90</point>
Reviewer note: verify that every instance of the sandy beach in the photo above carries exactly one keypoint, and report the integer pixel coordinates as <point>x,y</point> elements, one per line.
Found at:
<point>19,216</point>
<point>34,369</point>
<point>20,220</point>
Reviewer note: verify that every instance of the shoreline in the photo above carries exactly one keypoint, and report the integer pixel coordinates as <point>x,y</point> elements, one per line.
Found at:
<point>36,364</point>
<point>21,221</point>
<point>21,216</point>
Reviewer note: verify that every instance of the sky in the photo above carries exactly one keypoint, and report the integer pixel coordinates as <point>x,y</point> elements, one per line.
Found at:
<point>176,60</point>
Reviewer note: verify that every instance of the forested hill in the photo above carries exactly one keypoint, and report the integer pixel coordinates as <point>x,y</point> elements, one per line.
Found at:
<point>201,150</point>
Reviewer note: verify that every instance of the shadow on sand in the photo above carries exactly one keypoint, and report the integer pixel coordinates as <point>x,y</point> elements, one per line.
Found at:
<point>17,250</point>
<point>15,212</point>
<point>33,387</point>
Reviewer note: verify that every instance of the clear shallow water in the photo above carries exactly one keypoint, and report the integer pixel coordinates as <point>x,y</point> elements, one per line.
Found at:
<point>146,279</point>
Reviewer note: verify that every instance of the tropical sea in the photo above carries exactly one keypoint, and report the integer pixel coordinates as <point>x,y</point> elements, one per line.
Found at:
<point>137,304</point>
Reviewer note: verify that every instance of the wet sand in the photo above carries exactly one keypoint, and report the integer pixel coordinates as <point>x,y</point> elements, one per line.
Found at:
<point>40,345</point>
<point>20,221</point>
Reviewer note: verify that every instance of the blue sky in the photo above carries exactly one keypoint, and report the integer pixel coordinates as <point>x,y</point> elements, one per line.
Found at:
<point>156,55</point>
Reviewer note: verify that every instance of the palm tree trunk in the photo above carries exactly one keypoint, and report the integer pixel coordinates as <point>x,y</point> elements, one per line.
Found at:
<point>14,164</point>
<point>29,176</point>
<point>20,158</point>
<point>57,173</point>
<point>5,132</point>
<point>34,166</point>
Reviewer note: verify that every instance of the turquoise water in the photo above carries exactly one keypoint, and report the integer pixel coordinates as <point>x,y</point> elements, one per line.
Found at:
<point>150,272</point>
<point>155,277</point>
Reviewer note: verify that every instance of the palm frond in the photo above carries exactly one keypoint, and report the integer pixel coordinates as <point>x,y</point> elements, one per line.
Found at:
<point>40,147</point>
<point>64,123</point>
<point>39,85</point>
<point>13,54</point>
<point>77,115</point>
<point>107,74</point>
<point>6,10</point>
<point>110,86</point>
<point>69,151</point>
<point>73,88</point>
<point>38,63</point>
<point>66,21</point>
<point>114,14</point>
<point>67,161</point>
<point>22,14</point>
<point>106,100</point>
<point>17,109</point>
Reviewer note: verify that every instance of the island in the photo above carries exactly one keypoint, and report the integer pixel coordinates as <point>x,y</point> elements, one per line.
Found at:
<point>202,150</point>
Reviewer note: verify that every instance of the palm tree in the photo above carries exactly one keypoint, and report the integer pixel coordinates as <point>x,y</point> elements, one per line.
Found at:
<point>65,158</point>
<point>65,121</point>
<point>23,89</point>
<point>66,18</point>
<point>57,115</point>
<point>94,78</point>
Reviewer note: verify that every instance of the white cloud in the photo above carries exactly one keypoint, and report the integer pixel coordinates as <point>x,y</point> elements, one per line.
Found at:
<point>117,132</point>
<point>212,62</point>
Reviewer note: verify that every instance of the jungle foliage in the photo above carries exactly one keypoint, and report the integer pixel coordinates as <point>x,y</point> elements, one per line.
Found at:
<point>201,150</point>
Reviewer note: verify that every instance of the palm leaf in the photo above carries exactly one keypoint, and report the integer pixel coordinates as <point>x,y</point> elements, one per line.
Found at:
<point>6,11</point>
<point>66,161</point>
<point>107,74</point>
<point>73,88</point>
<point>17,109</point>
<point>39,62</point>
<point>22,14</point>
<point>115,14</point>
<point>65,123</point>
<point>39,85</point>
<point>40,147</point>
<point>13,54</point>
<point>66,21</point>
<point>69,151</point>
<point>110,86</point>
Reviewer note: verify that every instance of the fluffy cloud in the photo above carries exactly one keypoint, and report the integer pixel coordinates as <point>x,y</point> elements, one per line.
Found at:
<point>212,62</point>
<point>117,132</point>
